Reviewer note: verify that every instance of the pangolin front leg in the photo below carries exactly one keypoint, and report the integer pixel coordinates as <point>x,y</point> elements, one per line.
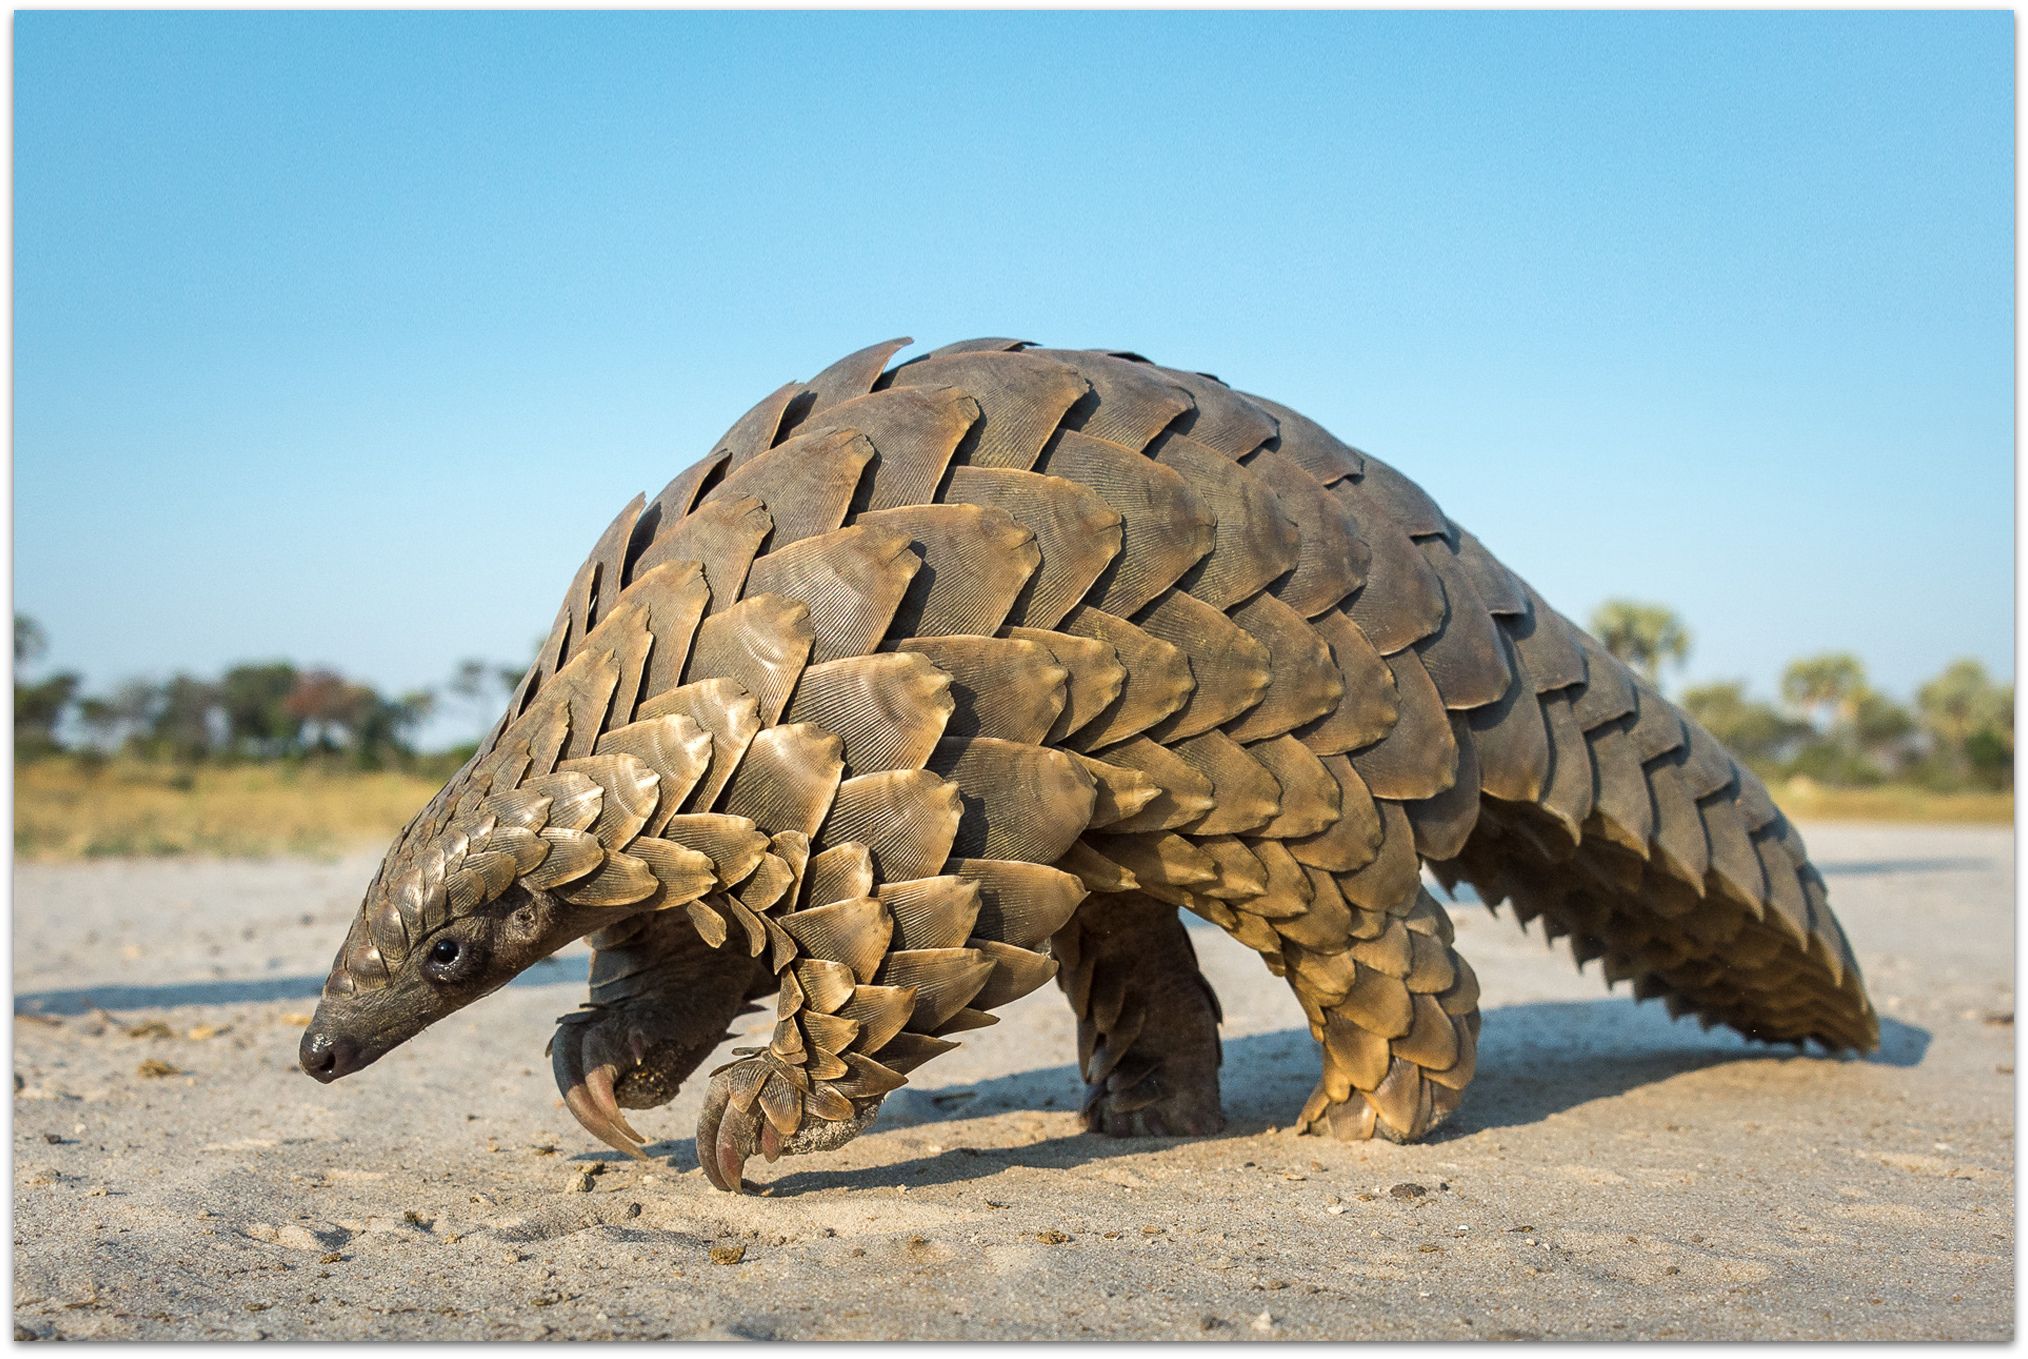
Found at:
<point>736,1124</point>
<point>1147,1020</point>
<point>660,1001</point>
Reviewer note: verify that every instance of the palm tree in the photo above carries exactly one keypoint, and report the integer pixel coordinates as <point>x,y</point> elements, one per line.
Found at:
<point>1642,635</point>
<point>1828,687</point>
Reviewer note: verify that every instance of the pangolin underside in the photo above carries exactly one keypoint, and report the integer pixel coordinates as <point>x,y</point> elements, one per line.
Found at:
<point>935,682</point>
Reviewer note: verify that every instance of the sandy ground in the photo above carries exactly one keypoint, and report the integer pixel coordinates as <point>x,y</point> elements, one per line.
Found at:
<point>1612,1175</point>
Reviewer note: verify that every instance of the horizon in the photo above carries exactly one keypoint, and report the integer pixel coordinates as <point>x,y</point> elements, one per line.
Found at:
<point>339,337</point>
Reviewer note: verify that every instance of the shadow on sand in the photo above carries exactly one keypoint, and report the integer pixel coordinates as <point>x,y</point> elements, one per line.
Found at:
<point>1535,1060</point>
<point>84,999</point>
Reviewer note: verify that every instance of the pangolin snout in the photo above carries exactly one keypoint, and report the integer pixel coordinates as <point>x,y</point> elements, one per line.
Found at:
<point>327,1056</point>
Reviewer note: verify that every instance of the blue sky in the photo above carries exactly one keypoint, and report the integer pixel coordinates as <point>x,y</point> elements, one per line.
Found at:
<point>340,337</point>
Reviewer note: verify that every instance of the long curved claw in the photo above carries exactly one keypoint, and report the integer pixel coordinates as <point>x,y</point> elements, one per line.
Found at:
<point>728,1136</point>
<point>588,1093</point>
<point>725,1137</point>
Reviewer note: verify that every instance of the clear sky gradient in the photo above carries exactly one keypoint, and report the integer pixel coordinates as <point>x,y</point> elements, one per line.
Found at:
<point>339,337</point>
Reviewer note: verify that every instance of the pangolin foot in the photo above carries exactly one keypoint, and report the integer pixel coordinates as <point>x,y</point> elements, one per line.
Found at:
<point>591,1052</point>
<point>753,1106</point>
<point>1357,1119</point>
<point>1151,1109</point>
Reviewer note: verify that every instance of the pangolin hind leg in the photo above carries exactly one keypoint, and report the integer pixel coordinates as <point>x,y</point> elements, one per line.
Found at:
<point>1396,1011</point>
<point>1147,1020</point>
<point>661,999</point>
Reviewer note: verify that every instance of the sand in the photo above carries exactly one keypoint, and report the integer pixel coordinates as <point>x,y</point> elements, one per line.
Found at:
<point>1612,1175</point>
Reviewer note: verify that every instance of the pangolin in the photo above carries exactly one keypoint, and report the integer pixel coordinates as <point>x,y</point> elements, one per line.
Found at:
<point>932,683</point>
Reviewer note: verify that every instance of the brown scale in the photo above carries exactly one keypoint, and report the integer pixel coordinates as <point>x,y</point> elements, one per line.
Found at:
<point>932,683</point>
<point>1021,398</point>
<point>1156,678</point>
<point>913,430</point>
<point>806,483</point>
<point>1230,669</point>
<point>1333,560</point>
<point>1165,526</point>
<point>1008,687</point>
<point>1253,541</point>
<point>1128,404</point>
<point>1076,534</point>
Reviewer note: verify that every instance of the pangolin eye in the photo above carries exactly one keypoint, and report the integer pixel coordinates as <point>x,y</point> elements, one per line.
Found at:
<point>444,951</point>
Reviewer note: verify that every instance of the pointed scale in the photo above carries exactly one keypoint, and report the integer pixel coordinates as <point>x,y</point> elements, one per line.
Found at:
<point>1021,398</point>
<point>806,484</point>
<point>852,376</point>
<point>1369,706</point>
<point>787,779</point>
<point>907,819</point>
<point>1130,403</point>
<point>1244,795</point>
<point>721,537</point>
<point>1093,678</point>
<point>852,581</point>
<point>1333,560</point>
<point>1304,682</point>
<point>754,433</point>
<point>1019,903</point>
<point>999,686</point>
<point>1229,668</point>
<point>913,430</point>
<point>1076,533</point>
<point>726,712</point>
<point>1157,678</point>
<point>975,561</point>
<point>1418,757</point>
<point>1254,539</point>
<point>761,643</point>
<point>1020,802</point>
<point>889,709</point>
<point>931,912</point>
<point>1224,420</point>
<point>1165,527</point>
<point>1183,794</point>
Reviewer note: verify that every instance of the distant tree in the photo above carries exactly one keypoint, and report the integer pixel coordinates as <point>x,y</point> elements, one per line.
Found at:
<point>187,721</point>
<point>387,727</point>
<point>483,686</point>
<point>1826,688</point>
<point>257,716</point>
<point>340,716</point>
<point>30,641</point>
<point>1970,722</point>
<point>1862,735</point>
<point>38,707</point>
<point>1756,732</point>
<point>1645,636</point>
<point>120,719</point>
<point>1881,728</point>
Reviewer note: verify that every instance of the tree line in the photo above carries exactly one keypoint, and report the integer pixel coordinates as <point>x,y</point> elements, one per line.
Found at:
<point>1828,723</point>
<point>261,711</point>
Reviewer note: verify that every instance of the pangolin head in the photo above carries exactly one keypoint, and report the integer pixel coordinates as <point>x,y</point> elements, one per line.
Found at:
<point>458,909</point>
<point>376,999</point>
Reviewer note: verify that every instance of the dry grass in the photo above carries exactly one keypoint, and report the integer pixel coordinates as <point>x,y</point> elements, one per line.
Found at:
<point>68,809</point>
<point>1805,799</point>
